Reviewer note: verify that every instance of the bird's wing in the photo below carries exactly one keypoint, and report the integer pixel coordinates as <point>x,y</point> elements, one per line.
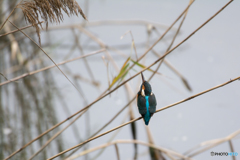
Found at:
<point>152,104</point>
<point>141,102</point>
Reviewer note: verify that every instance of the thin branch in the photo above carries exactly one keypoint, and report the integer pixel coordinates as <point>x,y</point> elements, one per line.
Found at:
<point>6,77</point>
<point>169,47</point>
<point>82,53</point>
<point>231,148</point>
<point>9,15</point>
<point>111,138</point>
<point>119,112</point>
<point>166,107</point>
<point>216,142</point>
<point>116,89</point>
<point>110,121</point>
<point>20,29</point>
<point>55,136</point>
<point>125,22</point>
<point>46,55</point>
<point>117,151</point>
<point>129,141</point>
<point>49,67</point>
<point>160,38</point>
<point>158,155</point>
<point>108,22</point>
<point>167,30</point>
<point>103,45</point>
<point>133,42</point>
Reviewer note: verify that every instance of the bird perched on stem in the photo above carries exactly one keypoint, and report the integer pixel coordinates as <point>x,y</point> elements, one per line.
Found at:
<point>146,101</point>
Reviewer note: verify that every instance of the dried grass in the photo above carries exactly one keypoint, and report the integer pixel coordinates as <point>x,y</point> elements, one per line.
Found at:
<point>49,10</point>
<point>44,110</point>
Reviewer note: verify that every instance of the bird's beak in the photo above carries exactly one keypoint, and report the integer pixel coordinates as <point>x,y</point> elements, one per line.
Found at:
<point>143,79</point>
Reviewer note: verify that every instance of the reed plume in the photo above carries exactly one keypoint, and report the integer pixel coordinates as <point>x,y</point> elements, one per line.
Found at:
<point>49,11</point>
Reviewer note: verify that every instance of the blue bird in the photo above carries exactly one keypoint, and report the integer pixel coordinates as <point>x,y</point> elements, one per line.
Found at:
<point>146,101</point>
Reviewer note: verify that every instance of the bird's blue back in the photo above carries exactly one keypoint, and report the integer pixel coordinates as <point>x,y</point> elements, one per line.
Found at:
<point>147,116</point>
<point>146,102</point>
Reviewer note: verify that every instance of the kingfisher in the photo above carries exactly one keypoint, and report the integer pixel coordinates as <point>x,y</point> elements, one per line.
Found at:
<point>146,101</point>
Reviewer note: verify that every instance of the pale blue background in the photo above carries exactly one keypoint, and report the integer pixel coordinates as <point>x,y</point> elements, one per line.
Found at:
<point>208,58</point>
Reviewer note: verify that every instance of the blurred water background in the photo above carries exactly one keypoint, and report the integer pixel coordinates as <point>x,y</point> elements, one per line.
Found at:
<point>209,58</point>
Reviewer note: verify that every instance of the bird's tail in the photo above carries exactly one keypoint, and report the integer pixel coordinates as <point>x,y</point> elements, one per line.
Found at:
<point>146,118</point>
<point>146,122</point>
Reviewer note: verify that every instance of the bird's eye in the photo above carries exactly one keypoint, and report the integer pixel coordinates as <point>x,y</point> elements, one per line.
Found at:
<point>151,93</point>
<point>143,93</point>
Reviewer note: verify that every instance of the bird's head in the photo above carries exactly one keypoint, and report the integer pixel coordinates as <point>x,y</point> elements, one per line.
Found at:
<point>146,89</point>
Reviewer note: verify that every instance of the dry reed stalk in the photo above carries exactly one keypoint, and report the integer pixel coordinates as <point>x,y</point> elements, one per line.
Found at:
<point>197,94</point>
<point>125,22</point>
<point>116,89</point>
<point>175,70</point>
<point>154,154</point>
<point>19,29</point>
<point>10,15</point>
<point>133,42</point>
<point>86,80</point>
<point>116,67</point>
<point>56,135</point>
<point>185,82</point>
<point>50,11</point>
<point>160,38</point>
<point>15,48</point>
<point>110,139</point>
<point>231,148</point>
<point>150,48</point>
<point>48,57</point>
<point>97,23</point>
<point>49,67</point>
<point>166,107</point>
<point>129,141</point>
<point>84,59</point>
<point>169,50</point>
<point>103,45</point>
<point>117,151</point>
<point>212,143</point>
<point>110,121</point>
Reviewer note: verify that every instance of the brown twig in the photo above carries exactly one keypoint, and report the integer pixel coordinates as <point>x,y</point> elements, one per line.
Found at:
<point>49,67</point>
<point>155,154</point>
<point>185,82</point>
<point>166,107</point>
<point>55,136</point>
<point>84,59</point>
<point>10,15</point>
<point>49,11</point>
<point>129,141</point>
<point>161,37</point>
<point>125,22</point>
<point>214,143</point>
<point>114,117</point>
<point>171,49</point>
<point>231,148</point>
<point>133,42</point>
<point>117,151</point>
<point>116,89</point>
<point>20,29</point>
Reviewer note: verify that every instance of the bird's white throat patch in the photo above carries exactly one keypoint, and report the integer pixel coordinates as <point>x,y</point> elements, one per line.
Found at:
<point>143,93</point>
